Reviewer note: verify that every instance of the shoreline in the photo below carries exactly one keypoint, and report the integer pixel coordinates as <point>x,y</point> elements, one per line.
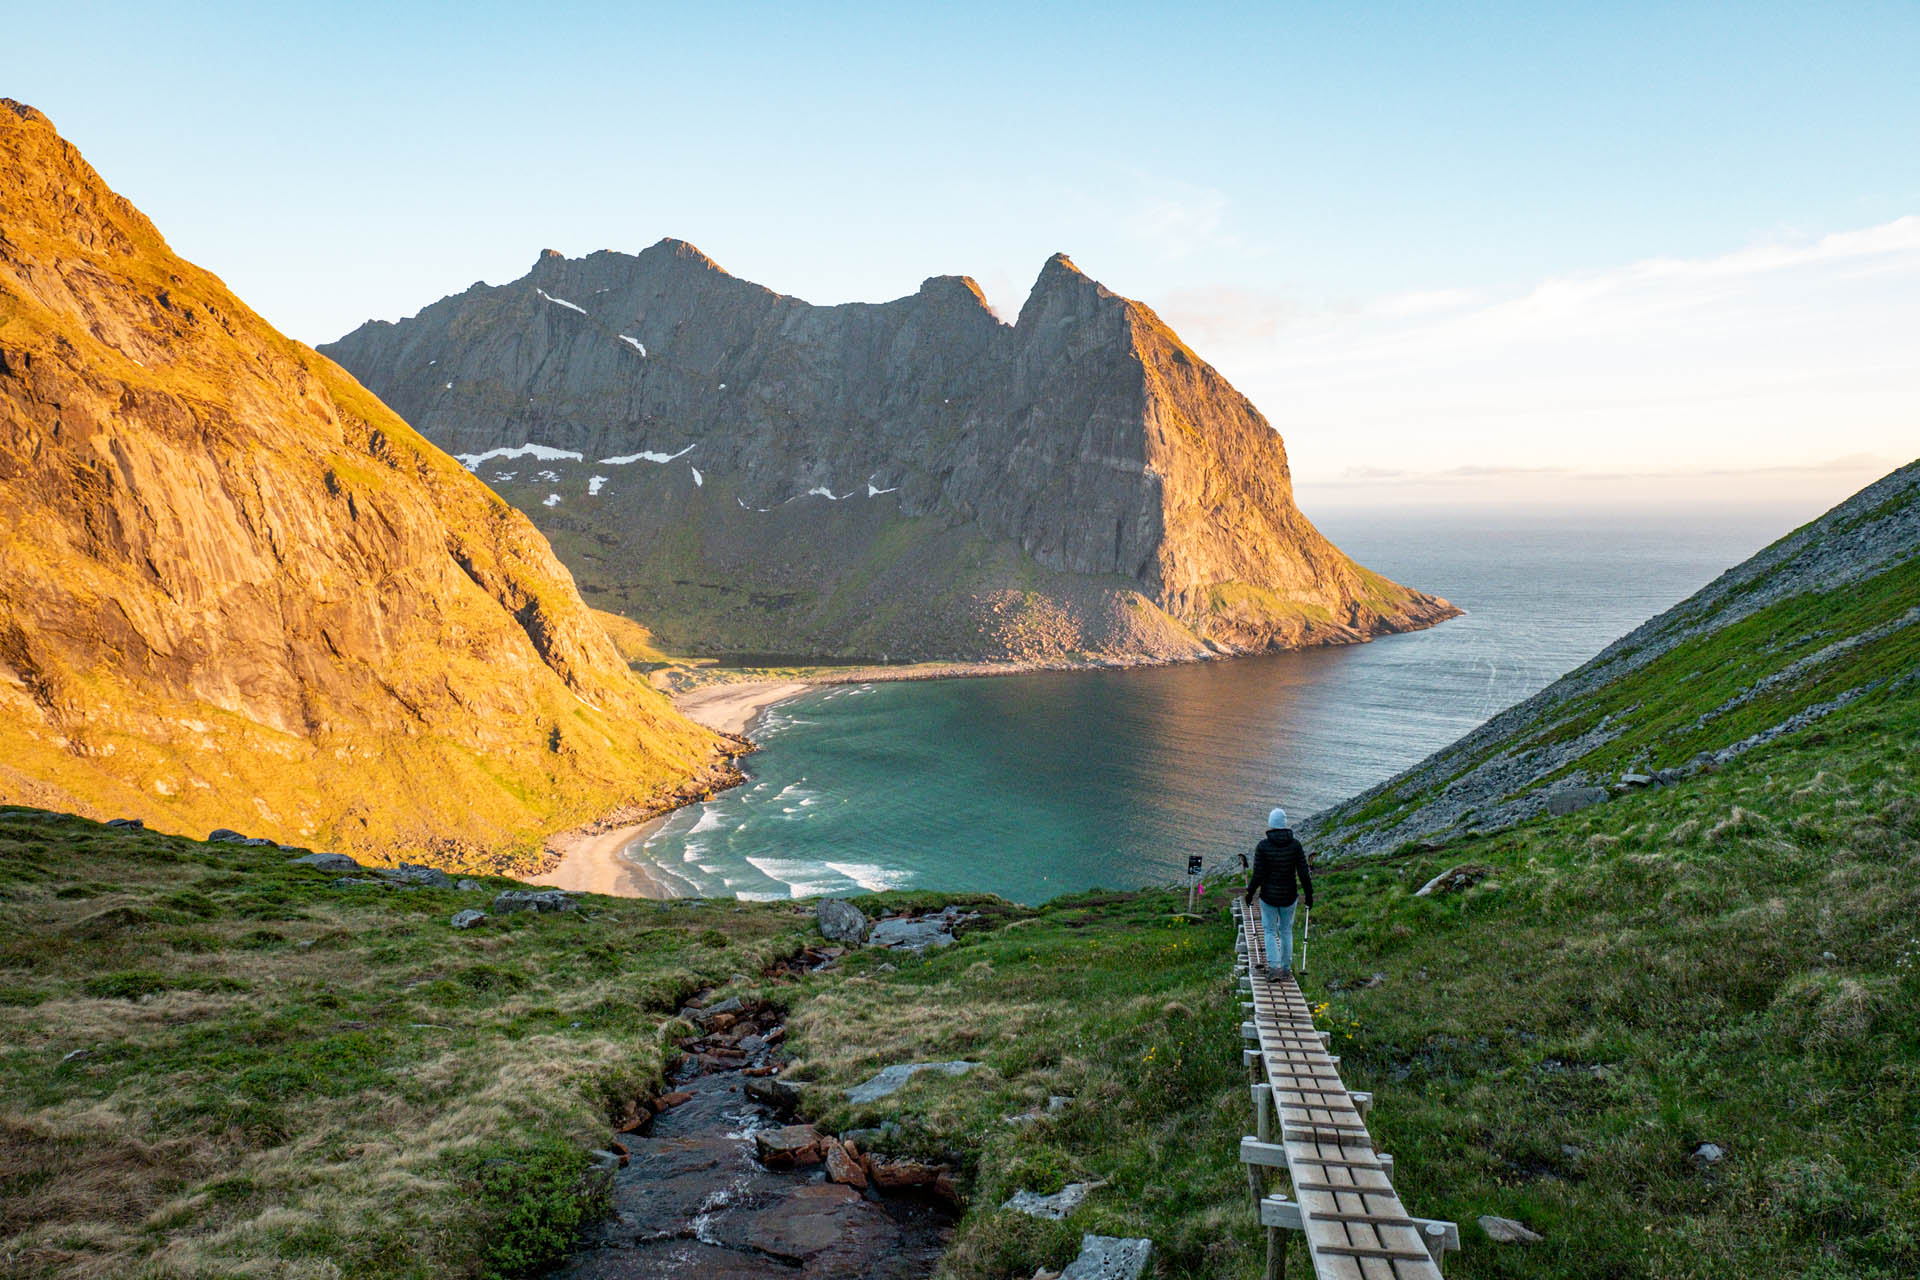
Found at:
<point>592,858</point>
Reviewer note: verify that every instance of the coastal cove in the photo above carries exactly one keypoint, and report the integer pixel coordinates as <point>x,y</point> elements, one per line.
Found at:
<point>1036,784</point>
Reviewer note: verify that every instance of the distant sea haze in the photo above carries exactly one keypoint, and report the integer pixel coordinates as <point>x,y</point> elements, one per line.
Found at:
<point>1036,785</point>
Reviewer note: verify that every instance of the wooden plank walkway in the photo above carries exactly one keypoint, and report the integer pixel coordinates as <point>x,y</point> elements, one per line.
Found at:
<point>1342,1200</point>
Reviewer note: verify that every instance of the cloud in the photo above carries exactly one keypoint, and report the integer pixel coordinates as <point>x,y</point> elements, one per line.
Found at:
<point>1179,219</point>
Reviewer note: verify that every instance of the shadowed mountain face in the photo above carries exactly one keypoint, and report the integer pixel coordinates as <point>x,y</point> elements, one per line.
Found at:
<point>240,591</point>
<point>917,479</point>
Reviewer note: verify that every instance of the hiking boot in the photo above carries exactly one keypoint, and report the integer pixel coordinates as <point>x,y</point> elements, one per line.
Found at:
<point>1281,973</point>
<point>1273,974</point>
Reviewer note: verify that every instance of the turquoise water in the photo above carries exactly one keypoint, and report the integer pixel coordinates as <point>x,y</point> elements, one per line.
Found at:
<point>1036,785</point>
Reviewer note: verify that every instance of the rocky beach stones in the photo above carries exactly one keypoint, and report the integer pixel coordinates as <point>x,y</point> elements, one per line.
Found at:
<point>917,933</point>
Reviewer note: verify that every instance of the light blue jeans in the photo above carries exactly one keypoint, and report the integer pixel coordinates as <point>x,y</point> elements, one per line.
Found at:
<point>1277,924</point>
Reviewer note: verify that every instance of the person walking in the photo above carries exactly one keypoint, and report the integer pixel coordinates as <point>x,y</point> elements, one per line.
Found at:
<point>1281,878</point>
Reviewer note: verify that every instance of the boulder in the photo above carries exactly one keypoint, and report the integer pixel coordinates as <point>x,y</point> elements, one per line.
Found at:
<point>1109,1258</point>
<point>325,861</point>
<point>1568,800</point>
<point>467,919</point>
<point>224,835</point>
<point>1637,779</point>
<point>841,921</point>
<point>788,1146</point>
<point>890,1079</point>
<point>415,873</point>
<point>917,933</point>
<point>1054,1207</point>
<point>1709,1153</point>
<point>469,886</point>
<point>900,1175</point>
<point>131,824</point>
<point>258,842</point>
<point>1453,879</point>
<point>843,1164</point>
<point>1507,1231</point>
<point>532,900</point>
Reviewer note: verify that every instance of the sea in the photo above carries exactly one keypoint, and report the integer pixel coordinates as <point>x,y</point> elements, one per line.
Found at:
<point>1031,786</point>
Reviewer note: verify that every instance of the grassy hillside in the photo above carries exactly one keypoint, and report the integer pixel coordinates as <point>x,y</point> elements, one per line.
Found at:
<point>217,1064</point>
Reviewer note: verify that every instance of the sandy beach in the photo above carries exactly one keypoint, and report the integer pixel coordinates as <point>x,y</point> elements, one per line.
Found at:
<point>730,707</point>
<point>591,861</point>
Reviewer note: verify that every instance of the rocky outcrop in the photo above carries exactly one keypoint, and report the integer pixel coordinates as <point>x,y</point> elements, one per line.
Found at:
<point>238,586</point>
<point>1818,621</point>
<point>914,478</point>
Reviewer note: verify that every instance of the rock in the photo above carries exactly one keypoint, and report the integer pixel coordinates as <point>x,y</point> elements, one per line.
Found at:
<point>224,835</point>
<point>752,1044</point>
<point>608,1160</point>
<point>667,1101</point>
<point>841,921</point>
<point>1636,779</point>
<point>1056,1206</point>
<point>512,900</point>
<point>1572,1152</point>
<point>130,824</point>
<point>843,1164</point>
<point>890,1079</point>
<point>916,934</point>
<point>77,1054</point>
<point>900,1175</point>
<point>415,873</point>
<point>788,1146</point>
<point>1709,1153</point>
<point>258,842</point>
<point>886,966</point>
<point>467,919</point>
<point>1057,1103</point>
<point>1568,800</point>
<point>620,1149</point>
<point>1109,1258</point>
<point>876,1138</point>
<point>830,1228</point>
<point>325,862</point>
<point>349,882</point>
<point>1454,879</point>
<point>1507,1231</point>
<point>470,886</point>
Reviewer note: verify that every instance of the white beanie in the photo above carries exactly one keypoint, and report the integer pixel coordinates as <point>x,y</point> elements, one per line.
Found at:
<point>1277,820</point>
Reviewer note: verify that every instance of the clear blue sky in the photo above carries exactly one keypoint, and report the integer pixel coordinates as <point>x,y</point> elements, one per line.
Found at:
<point>1239,166</point>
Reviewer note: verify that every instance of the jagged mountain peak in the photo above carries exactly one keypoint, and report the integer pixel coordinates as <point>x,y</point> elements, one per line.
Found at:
<point>908,478</point>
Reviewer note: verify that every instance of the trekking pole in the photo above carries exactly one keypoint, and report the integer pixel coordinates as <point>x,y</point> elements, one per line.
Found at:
<point>1306,936</point>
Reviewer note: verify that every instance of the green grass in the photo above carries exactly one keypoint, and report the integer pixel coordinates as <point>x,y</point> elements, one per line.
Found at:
<point>1734,960</point>
<point>319,1081</point>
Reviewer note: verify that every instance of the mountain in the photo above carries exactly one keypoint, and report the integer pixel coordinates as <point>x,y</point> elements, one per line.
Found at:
<point>241,592</point>
<point>748,472</point>
<point>1826,618</point>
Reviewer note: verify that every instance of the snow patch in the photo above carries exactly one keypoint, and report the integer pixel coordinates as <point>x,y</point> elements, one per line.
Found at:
<point>595,484</point>
<point>449,386</point>
<point>645,456</point>
<point>828,494</point>
<point>546,453</point>
<point>698,480</point>
<point>553,500</point>
<point>560,302</point>
<point>635,343</point>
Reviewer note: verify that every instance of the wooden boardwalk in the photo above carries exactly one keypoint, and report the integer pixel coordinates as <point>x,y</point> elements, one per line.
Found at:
<point>1311,1127</point>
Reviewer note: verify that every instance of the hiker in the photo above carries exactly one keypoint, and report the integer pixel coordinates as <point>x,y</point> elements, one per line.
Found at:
<point>1278,862</point>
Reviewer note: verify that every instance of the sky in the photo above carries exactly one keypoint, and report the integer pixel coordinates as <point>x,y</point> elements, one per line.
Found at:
<point>1456,253</point>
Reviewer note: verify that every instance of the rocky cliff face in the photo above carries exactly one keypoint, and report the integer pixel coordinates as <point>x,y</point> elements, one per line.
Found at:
<point>240,591</point>
<point>914,478</point>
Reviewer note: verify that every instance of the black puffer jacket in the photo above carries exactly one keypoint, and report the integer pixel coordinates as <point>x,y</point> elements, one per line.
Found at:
<point>1278,861</point>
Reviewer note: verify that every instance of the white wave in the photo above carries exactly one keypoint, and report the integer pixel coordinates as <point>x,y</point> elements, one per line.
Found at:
<point>709,821</point>
<point>873,878</point>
